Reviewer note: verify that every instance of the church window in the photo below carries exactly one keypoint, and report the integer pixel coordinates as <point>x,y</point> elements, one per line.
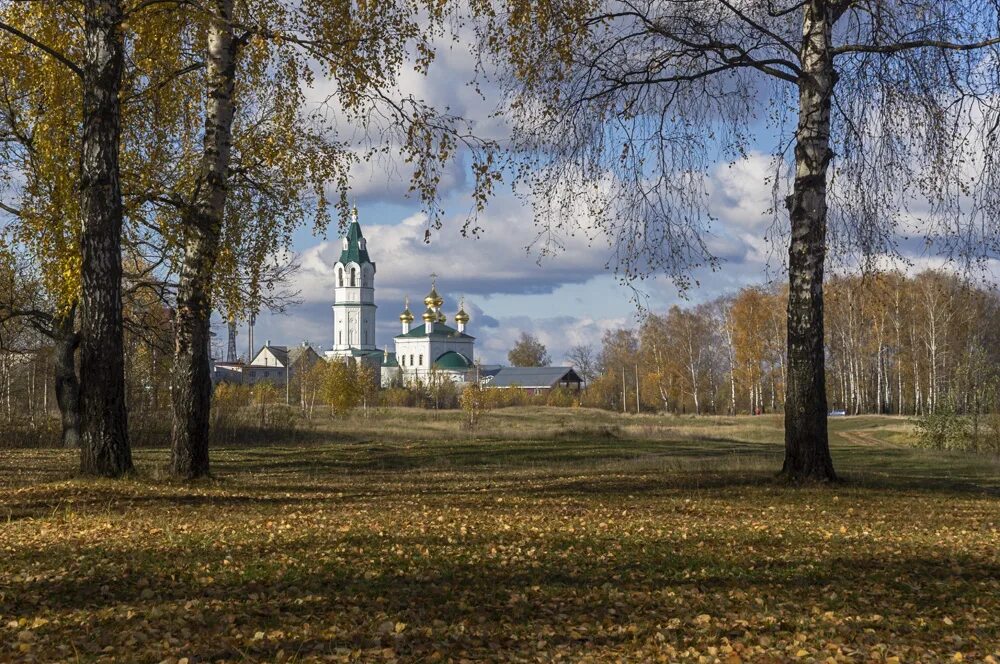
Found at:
<point>340,276</point>
<point>354,274</point>
<point>411,360</point>
<point>421,360</point>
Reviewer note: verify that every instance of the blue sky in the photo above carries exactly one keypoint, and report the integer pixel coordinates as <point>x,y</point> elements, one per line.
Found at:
<point>565,299</point>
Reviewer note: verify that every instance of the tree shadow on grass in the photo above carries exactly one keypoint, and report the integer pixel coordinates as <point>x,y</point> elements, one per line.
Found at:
<point>497,611</point>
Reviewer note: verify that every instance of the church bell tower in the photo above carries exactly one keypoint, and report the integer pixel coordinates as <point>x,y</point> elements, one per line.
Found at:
<point>354,294</point>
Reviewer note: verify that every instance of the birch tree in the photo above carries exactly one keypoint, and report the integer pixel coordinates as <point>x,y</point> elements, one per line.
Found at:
<point>95,64</point>
<point>887,110</point>
<point>265,153</point>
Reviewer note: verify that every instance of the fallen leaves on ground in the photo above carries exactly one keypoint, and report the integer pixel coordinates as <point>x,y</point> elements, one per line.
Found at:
<point>295,557</point>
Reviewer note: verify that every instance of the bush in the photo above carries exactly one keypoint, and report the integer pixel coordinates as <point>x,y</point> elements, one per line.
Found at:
<point>442,393</point>
<point>476,401</point>
<point>989,437</point>
<point>944,429</point>
<point>563,397</point>
<point>396,397</point>
<point>245,414</point>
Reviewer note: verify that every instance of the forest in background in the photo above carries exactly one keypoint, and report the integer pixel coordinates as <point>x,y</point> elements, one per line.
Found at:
<point>923,345</point>
<point>896,344</point>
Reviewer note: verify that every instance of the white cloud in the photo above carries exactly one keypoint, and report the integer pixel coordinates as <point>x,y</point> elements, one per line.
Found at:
<point>508,290</point>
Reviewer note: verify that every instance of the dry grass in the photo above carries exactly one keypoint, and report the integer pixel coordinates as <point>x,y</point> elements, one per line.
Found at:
<point>540,537</point>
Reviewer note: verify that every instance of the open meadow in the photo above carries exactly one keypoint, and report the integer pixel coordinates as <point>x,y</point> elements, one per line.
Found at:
<point>544,535</point>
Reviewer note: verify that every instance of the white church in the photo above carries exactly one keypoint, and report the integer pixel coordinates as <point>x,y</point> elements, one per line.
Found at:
<point>426,352</point>
<point>423,352</point>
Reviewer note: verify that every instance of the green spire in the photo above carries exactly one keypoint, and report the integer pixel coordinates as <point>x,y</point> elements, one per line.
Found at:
<point>354,252</point>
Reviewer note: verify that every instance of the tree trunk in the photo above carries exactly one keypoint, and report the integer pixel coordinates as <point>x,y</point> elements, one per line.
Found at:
<point>66,341</point>
<point>191,380</point>
<point>104,446</point>
<point>807,447</point>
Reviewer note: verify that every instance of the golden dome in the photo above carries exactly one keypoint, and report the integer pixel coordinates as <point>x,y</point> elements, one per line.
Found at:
<point>433,299</point>
<point>461,316</point>
<point>407,315</point>
<point>430,315</point>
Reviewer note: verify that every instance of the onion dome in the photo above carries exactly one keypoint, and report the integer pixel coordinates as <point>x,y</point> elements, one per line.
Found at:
<point>461,317</point>
<point>433,299</point>
<point>430,315</point>
<point>407,315</point>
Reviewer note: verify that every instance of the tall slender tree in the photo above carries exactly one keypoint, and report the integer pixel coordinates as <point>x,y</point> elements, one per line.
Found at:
<point>202,221</point>
<point>264,153</point>
<point>103,420</point>
<point>97,77</point>
<point>888,109</point>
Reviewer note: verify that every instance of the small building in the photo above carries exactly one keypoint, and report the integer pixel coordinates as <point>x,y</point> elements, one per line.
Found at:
<point>272,363</point>
<point>534,380</point>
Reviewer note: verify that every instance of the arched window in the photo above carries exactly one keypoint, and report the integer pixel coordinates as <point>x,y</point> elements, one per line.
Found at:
<point>340,276</point>
<point>354,280</point>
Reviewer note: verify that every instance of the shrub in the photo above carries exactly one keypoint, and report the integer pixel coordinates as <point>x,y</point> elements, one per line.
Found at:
<point>396,397</point>
<point>563,397</point>
<point>943,429</point>
<point>475,402</point>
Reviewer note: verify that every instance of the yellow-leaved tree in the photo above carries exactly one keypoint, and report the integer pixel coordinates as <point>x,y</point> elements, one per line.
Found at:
<point>266,158</point>
<point>199,147</point>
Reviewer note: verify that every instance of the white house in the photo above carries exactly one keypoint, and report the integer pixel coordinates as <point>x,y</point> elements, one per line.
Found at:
<point>272,363</point>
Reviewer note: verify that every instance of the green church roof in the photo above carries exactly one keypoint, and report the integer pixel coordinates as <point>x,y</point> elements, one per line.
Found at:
<point>440,330</point>
<point>354,253</point>
<point>452,360</point>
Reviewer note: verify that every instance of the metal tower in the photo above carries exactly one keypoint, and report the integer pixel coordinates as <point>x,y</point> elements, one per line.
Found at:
<point>231,351</point>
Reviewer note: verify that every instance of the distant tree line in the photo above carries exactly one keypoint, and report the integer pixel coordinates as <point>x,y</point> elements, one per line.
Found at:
<point>896,344</point>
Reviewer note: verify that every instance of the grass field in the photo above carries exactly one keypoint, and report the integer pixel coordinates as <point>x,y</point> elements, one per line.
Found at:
<point>546,535</point>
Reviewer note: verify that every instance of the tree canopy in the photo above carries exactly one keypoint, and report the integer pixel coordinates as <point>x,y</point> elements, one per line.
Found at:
<point>528,351</point>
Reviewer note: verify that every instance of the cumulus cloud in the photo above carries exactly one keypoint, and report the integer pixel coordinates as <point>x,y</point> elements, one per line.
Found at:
<point>501,260</point>
<point>558,334</point>
<point>451,86</point>
<point>504,261</point>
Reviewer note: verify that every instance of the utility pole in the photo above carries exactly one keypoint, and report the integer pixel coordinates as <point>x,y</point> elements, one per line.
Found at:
<point>624,395</point>
<point>250,340</point>
<point>637,389</point>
